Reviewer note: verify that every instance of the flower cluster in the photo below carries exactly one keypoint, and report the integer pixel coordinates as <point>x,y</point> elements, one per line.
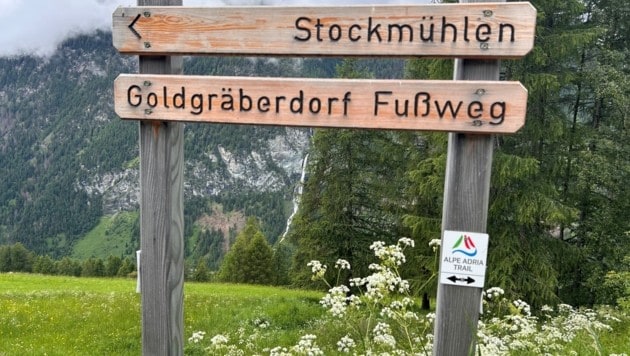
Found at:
<point>435,244</point>
<point>318,269</point>
<point>336,300</point>
<point>346,344</point>
<point>391,255</point>
<point>306,346</point>
<point>197,337</point>
<point>381,318</point>
<point>493,293</point>
<point>518,331</point>
<point>219,340</point>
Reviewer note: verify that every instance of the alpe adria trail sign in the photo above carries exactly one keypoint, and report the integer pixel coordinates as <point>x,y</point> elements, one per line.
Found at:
<point>474,103</point>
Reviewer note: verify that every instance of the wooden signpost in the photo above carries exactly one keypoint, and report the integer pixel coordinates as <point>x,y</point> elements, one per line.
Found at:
<point>445,30</point>
<point>474,106</point>
<point>471,108</point>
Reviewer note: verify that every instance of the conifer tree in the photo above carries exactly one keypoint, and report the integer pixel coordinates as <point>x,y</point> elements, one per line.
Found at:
<point>351,197</point>
<point>250,258</point>
<point>202,272</point>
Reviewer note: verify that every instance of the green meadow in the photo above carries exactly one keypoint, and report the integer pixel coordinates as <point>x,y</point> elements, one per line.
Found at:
<point>52,315</point>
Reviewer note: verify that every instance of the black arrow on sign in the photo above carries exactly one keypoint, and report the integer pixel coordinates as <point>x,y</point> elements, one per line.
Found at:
<point>133,23</point>
<point>455,279</point>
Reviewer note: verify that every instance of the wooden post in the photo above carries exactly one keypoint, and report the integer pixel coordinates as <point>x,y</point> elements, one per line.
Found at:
<point>466,195</point>
<point>161,220</point>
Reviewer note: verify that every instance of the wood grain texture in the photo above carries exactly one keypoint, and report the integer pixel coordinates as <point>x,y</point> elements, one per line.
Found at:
<point>466,199</point>
<point>496,107</point>
<point>161,230</point>
<point>162,221</point>
<point>380,30</point>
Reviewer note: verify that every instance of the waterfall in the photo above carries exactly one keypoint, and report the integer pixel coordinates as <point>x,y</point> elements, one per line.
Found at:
<point>296,197</point>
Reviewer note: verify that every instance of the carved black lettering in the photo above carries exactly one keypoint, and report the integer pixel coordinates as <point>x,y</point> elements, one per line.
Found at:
<point>319,26</point>
<point>181,96</point>
<point>486,32</point>
<point>210,97</point>
<point>426,101</point>
<point>346,102</point>
<point>227,100</point>
<point>475,109</point>
<point>373,31</point>
<point>334,33</point>
<point>502,27</point>
<point>447,106</point>
<point>446,25</point>
<point>131,94</point>
<point>377,99</point>
<point>152,100</point>
<point>263,104</point>
<point>429,37</point>
<point>299,27</point>
<point>315,105</point>
<point>296,105</point>
<point>244,101</point>
<point>401,32</point>
<point>278,100</point>
<point>351,30</point>
<point>466,29</point>
<point>403,113</point>
<point>331,100</point>
<point>196,103</point>
<point>497,116</point>
<point>165,92</point>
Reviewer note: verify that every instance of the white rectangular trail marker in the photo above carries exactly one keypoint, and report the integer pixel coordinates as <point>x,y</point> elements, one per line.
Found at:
<point>463,258</point>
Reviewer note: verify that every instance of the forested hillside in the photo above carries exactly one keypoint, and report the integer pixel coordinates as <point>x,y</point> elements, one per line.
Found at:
<point>559,215</point>
<point>69,165</point>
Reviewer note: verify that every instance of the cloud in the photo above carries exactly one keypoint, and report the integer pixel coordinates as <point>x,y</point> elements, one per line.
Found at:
<point>39,26</point>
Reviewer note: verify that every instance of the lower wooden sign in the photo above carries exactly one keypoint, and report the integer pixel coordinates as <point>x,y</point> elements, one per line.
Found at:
<point>456,106</point>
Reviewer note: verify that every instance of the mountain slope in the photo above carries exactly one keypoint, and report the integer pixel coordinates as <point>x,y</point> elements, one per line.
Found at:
<point>67,161</point>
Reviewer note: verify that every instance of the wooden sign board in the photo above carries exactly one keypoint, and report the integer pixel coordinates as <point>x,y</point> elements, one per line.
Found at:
<point>485,30</point>
<point>458,106</point>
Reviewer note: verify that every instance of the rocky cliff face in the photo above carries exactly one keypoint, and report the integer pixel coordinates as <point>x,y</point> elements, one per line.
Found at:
<point>274,167</point>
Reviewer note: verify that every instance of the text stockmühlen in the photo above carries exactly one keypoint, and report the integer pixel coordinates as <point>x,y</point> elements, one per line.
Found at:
<point>426,30</point>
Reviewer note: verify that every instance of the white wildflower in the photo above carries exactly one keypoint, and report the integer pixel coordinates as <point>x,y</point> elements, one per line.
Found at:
<point>494,292</point>
<point>435,244</point>
<point>342,264</point>
<point>219,340</point>
<point>406,241</point>
<point>346,344</point>
<point>307,346</point>
<point>197,336</point>
<point>318,269</point>
<point>522,306</point>
<point>335,300</point>
<point>382,335</point>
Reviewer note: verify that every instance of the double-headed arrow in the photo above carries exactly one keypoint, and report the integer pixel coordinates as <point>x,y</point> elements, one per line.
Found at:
<point>456,279</point>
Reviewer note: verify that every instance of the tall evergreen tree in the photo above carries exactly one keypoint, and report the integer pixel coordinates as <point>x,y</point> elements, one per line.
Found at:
<point>352,195</point>
<point>250,258</point>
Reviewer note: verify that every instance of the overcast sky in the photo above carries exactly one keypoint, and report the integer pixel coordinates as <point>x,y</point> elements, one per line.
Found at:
<point>38,26</point>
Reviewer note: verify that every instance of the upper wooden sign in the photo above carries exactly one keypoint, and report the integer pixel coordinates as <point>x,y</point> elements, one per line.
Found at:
<point>459,106</point>
<point>480,30</point>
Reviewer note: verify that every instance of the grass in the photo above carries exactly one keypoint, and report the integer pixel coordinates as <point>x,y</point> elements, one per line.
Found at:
<point>109,237</point>
<point>51,315</point>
